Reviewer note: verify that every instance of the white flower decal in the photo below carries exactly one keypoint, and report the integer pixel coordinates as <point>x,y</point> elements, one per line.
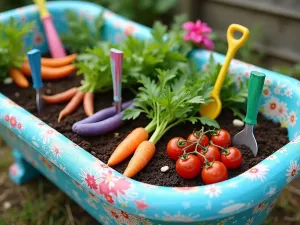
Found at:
<point>266,91</point>
<point>212,191</point>
<point>282,110</point>
<point>47,135</point>
<point>56,151</point>
<point>271,107</point>
<point>292,171</point>
<point>272,158</point>
<point>277,90</point>
<point>271,192</point>
<point>249,221</point>
<point>257,172</point>
<point>292,118</point>
<point>288,92</point>
<point>282,150</point>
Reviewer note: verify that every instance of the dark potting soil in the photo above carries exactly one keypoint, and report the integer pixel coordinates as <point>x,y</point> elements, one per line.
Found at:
<point>270,136</point>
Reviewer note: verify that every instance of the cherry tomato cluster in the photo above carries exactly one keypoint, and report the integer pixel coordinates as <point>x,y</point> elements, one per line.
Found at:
<point>199,152</point>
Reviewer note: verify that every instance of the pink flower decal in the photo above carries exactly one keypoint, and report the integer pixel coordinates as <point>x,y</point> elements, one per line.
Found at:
<point>19,126</point>
<point>91,181</point>
<point>129,30</point>
<point>197,33</point>
<point>141,205</point>
<point>13,121</point>
<point>6,117</point>
<point>109,199</point>
<point>113,185</point>
<point>14,170</point>
<point>38,39</point>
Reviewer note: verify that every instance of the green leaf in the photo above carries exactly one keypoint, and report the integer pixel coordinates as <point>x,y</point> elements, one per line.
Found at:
<point>131,114</point>
<point>209,122</point>
<point>197,99</point>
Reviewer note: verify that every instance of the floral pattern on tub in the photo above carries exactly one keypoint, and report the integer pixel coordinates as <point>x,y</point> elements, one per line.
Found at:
<point>114,199</point>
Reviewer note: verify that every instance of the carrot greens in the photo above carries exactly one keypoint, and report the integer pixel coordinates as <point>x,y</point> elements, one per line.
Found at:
<point>12,52</point>
<point>169,102</point>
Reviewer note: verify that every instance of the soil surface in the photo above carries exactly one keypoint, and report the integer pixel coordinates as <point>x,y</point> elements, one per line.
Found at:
<point>270,136</point>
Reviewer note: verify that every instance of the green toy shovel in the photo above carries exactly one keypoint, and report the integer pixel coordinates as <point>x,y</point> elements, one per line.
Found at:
<point>246,136</point>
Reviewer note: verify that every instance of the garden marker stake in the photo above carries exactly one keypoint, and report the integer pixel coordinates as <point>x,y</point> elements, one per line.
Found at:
<point>56,48</point>
<point>246,136</point>
<point>34,58</point>
<point>213,109</point>
<point>116,61</point>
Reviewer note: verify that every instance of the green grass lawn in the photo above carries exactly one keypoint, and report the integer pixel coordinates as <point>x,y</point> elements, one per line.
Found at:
<point>42,203</point>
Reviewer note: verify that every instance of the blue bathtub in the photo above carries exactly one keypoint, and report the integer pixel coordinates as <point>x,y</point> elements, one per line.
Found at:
<point>114,199</point>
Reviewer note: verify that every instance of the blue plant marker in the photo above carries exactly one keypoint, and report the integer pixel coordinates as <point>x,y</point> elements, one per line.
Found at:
<point>34,58</point>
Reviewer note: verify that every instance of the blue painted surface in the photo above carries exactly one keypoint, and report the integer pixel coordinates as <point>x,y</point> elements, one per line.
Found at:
<point>113,199</point>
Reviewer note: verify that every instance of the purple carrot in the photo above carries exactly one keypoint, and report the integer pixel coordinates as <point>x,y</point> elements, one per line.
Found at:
<point>101,115</point>
<point>102,127</point>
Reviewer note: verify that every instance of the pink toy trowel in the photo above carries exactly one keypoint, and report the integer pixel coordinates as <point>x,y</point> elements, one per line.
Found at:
<point>55,46</point>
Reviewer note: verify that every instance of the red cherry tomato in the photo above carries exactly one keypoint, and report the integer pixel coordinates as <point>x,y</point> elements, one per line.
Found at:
<point>195,137</point>
<point>212,154</point>
<point>217,172</point>
<point>232,158</point>
<point>175,147</point>
<point>221,139</point>
<point>188,168</point>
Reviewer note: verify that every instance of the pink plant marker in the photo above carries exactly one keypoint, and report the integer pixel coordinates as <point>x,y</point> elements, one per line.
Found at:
<point>116,61</point>
<point>55,45</point>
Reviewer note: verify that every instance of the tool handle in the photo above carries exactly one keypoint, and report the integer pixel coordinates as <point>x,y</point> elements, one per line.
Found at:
<point>233,45</point>
<point>34,58</point>
<point>42,8</point>
<point>55,45</point>
<point>116,61</point>
<point>255,88</point>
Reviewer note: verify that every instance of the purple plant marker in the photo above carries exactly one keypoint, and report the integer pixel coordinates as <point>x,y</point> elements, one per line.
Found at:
<point>116,61</point>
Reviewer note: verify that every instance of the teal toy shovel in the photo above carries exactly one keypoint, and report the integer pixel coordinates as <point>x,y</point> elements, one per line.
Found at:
<point>246,136</point>
<point>34,58</point>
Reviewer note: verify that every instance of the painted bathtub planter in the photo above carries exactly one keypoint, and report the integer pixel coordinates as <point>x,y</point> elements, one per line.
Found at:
<point>114,199</point>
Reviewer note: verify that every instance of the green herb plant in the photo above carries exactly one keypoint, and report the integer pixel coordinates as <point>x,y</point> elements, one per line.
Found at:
<point>168,102</point>
<point>81,34</point>
<point>12,52</point>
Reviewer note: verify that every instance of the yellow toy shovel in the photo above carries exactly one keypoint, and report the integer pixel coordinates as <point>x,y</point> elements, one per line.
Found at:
<point>213,109</point>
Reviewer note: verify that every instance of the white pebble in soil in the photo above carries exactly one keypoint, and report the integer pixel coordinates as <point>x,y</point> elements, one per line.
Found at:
<point>48,91</point>
<point>82,82</point>
<point>6,205</point>
<point>238,123</point>
<point>8,80</point>
<point>17,94</point>
<point>164,169</point>
<point>48,84</point>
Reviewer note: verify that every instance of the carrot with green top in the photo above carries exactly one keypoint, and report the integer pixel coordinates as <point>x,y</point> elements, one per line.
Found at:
<point>167,103</point>
<point>58,62</point>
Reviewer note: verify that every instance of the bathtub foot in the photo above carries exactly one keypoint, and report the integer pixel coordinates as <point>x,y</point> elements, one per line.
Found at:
<point>21,171</point>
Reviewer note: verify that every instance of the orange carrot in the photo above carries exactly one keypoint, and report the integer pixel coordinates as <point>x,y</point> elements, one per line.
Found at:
<point>49,73</point>
<point>72,105</point>
<point>58,62</point>
<point>140,159</point>
<point>60,97</point>
<point>88,103</point>
<point>128,146</point>
<point>18,77</point>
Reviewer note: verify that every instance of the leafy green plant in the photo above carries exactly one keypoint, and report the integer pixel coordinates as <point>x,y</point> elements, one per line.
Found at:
<point>11,45</point>
<point>168,102</point>
<point>141,57</point>
<point>81,34</point>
